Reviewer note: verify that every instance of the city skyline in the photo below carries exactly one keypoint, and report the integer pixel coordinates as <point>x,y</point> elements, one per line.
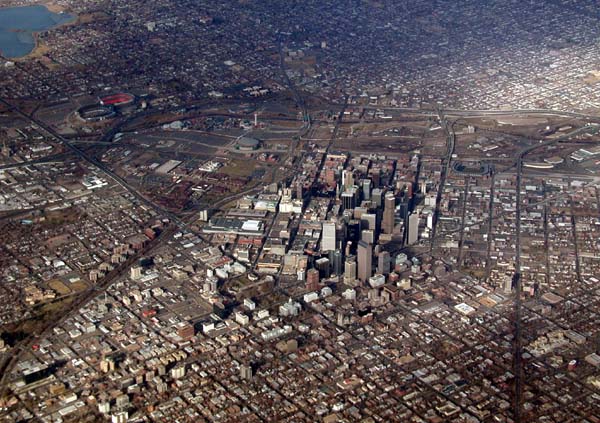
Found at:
<point>306,211</point>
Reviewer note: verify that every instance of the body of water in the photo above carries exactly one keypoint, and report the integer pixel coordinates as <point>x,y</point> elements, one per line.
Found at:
<point>18,24</point>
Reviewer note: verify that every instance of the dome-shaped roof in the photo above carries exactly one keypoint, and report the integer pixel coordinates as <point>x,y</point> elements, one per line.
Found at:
<point>248,142</point>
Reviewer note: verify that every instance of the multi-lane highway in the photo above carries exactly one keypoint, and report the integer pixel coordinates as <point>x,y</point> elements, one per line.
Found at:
<point>85,157</point>
<point>450,145</point>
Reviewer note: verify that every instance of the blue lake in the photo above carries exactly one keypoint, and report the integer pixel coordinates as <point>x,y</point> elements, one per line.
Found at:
<point>18,24</point>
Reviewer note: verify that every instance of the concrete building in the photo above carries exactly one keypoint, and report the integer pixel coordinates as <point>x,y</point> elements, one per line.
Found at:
<point>413,228</point>
<point>337,264</point>
<point>350,269</point>
<point>347,179</point>
<point>376,197</point>
<point>366,188</point>
<point>247,144</point>
<point>383,263</point>
<point>312,279</point>
<point>246,372</point>
<point>324,267</point>
<point>365,264</point>
<point>389,213</point>
<point>368,221</point>
<point>136,272</point>
<point>328,237</point>
<point>367,235</point>
<point>349,199</point>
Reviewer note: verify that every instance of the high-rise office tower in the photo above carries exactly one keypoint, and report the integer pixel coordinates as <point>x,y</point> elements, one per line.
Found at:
<point>348,249</point>
<point>359,211</point>
<point>350,269</point>
<point>347,179</point>
<point>368,221</point>
<point>324,267</point>
<point>312,279</point>
<point>430,221</point>
<point>389,213</point>
<point>375,175</point>
<point>354,231</point>
<point>403,207</point>
<point>341,233</point>
<point>413,228</point>
<point>348,200</point>
<point>366,188</point>
<point>367,235</point>
<point>328,237</point>
<point>376,197</point>
<point>335,257</point>
<point>384,263</point>
<point>365,264</point>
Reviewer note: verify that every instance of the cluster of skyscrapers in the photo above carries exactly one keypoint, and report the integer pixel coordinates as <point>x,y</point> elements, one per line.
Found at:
<point>366,212</point>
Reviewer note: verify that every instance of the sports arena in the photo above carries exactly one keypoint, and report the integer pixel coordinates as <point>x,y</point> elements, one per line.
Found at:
<point>117,100</point>
<point>95,113</point>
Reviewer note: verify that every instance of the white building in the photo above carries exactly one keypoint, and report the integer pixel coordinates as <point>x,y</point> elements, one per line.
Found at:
<point>328,236</point>
<point>413,228</point>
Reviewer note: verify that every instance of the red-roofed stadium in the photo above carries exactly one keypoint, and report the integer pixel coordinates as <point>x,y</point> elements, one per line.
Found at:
<point>120,99</point>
